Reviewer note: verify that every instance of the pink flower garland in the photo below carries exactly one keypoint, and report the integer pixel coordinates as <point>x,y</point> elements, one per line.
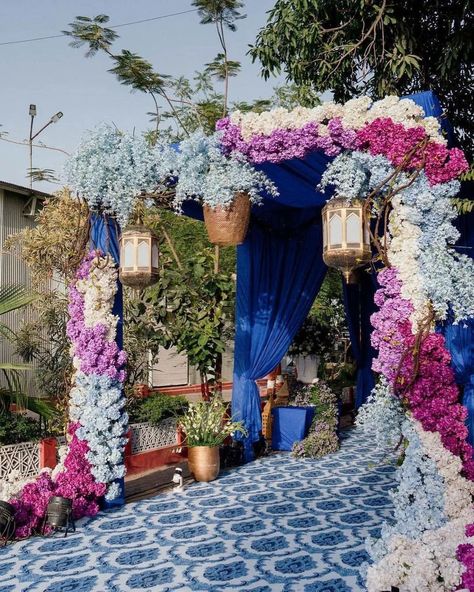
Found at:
<point>381,136</point>
<point>433,398</point>
<point>395,141</point>
<point>75,482</point>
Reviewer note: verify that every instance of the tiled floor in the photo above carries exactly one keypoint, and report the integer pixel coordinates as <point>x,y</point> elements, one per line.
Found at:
<point>278,524</point>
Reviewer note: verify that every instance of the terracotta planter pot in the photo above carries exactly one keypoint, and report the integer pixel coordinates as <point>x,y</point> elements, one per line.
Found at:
<point>228,226</point>
<point>204,462</point>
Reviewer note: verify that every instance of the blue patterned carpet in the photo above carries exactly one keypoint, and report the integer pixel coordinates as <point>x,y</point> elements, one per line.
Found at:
<point>277,524</point>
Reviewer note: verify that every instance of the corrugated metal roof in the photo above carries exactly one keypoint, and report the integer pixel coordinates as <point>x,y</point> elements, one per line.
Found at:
<point>23,190</point>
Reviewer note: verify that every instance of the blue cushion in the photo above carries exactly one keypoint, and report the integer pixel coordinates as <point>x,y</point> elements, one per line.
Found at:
<point>290,425</point>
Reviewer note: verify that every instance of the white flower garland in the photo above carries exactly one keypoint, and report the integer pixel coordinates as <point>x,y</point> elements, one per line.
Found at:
<point>355,114</point>
<point>418,564</point>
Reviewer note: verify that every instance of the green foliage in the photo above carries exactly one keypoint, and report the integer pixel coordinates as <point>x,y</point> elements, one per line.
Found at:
<point>90,32</point>
<point>44,341</point>
<point>57,242</point>
<point>206,423</point>
<point>189,308</point>
<point>290,96</point>
<point>377,48</point>
<point>155,408</point>
<point>325,323</point>
<point>37,175</point>
<point>224,13</point>
<point>12,298</point>
<point>463,205</point>
<point>220,67</point>
<point>15,428</point>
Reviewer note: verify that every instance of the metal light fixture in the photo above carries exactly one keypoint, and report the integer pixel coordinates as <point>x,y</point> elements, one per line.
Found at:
<point>346,240</point>
<point>56,117</point>
<point>53,119</point>
<point>139,256</point>
<point>59,514</point>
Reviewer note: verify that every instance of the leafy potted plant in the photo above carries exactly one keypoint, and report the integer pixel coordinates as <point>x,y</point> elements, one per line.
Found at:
<point>206,426</point>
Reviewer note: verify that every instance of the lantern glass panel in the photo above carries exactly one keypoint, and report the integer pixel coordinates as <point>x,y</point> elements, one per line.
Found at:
<point>143,254</point>
<point>128,253</point>
<point>154,255</point>
<point>353,229</point>
<point>335,230</point>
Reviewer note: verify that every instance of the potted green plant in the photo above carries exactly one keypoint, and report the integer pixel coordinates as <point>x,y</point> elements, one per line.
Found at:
<point>206,426</point>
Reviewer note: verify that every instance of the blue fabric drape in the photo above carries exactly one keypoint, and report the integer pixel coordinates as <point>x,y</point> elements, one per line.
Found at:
<point>104,236</point>
<point>275,292</point>
<point>460,337</point>
<point>460,343</point>
<point>359,306</point>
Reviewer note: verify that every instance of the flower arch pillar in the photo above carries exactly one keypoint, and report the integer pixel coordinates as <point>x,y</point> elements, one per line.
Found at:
<point>104,235</point>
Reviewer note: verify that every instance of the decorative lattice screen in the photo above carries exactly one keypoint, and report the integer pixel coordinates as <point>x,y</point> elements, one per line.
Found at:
<point>23,459</point>
<point>149,437</point>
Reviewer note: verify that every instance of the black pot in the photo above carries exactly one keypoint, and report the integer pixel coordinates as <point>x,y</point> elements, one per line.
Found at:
<point>59,512</point>
<point>7,522</point>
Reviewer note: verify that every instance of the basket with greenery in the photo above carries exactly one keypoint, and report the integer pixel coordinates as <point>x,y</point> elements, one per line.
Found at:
<point>206,423</point>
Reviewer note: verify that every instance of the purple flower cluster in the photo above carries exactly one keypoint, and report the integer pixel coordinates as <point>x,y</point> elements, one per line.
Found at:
<point>95,353</point>
<point>284,144</point>
<point>393,315</point>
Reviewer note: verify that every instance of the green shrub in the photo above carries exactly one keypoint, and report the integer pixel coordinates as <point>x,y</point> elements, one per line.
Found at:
<point>156,407</point>
<point>15,428</point>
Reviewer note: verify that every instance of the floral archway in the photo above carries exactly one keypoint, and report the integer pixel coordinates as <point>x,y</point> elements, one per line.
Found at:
<point>386,152</point>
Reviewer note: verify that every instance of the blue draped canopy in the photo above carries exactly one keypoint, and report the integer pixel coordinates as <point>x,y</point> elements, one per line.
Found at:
<point>279,273</point>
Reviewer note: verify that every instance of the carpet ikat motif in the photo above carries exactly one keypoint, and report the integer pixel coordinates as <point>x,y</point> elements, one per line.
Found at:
<point>275,525</point>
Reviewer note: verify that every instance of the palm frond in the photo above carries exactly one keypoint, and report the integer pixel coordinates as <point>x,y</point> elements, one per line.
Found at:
<point>14,297</point>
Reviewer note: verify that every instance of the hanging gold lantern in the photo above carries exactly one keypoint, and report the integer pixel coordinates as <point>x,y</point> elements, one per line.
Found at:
<point>139,255</point>
<point>346,240</point>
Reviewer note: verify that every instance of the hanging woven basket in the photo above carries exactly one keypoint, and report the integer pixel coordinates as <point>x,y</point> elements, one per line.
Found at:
<point>228,226</point>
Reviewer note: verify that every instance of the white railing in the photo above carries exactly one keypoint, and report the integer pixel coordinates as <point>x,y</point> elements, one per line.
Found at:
<point>22,459</point>
<point>145,436</point>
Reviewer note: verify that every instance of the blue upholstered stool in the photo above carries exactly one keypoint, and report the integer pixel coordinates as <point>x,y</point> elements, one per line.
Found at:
<point>290,425</point>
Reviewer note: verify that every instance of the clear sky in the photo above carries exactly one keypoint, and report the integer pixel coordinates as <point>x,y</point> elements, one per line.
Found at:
<point>57,77</point>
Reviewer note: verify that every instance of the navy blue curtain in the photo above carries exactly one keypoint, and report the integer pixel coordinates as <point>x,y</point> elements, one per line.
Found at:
<point>460,337</point>
<point>359,306</point>
<point>460,343</point>
<point>104,235</point>
<point>275,292</point>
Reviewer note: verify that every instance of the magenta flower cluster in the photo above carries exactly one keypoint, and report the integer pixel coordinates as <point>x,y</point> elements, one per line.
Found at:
<point>381,136</point>
<point>76,482</point>
<point>395,141</point>
<point>433,398</point>
<point>465,555</point>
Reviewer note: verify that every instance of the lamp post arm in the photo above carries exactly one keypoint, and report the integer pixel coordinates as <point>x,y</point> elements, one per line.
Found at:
<point>39,131</point>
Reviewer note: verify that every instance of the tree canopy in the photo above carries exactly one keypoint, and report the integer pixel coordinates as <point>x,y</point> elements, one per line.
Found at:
<point>376,47</point>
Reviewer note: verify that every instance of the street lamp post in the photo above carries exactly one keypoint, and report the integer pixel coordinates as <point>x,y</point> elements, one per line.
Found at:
<point>54,119</point>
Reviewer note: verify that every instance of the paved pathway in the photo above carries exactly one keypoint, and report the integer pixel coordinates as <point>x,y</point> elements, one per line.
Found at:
<point>278,524</point>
